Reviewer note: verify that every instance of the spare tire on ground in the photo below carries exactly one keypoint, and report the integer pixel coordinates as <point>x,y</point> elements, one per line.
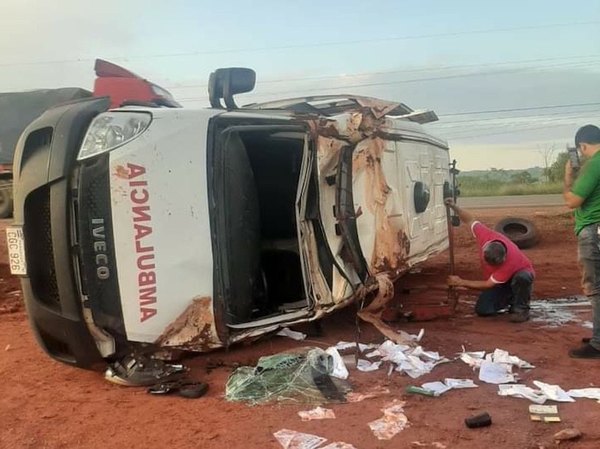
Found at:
<point>520,231</point>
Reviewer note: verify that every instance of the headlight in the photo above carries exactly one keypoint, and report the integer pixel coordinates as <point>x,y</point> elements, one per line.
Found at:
<point>111,130</point>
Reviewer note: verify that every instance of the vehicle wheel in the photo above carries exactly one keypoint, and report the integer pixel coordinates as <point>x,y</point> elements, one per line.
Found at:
<point>6,201</point>
<point>520,231</point>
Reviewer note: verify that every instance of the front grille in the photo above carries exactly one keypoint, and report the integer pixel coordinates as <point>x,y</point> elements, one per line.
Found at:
<point>94,223</point>
<point>38,247</point>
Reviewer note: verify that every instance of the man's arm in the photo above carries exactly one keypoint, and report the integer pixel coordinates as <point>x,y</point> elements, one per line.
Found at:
<point>457,281</point>
<point>571,200</point>
<point>464,215</point>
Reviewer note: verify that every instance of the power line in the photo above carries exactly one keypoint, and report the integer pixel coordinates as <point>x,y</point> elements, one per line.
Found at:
<point>532,108</point>
<point>414,80</point>
<point>389,72</point>
<point>313,45</point>
<point>512,131</point>
<point>567,114</point>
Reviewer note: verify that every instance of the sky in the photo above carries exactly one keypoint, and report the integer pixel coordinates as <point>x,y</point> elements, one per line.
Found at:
<point>538,62</point>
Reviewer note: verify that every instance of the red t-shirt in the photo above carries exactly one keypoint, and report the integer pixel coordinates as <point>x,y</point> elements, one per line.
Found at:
<point>515,259</point>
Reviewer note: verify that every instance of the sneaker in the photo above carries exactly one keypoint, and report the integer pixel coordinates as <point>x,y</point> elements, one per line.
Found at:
<point>519,316</point>
<point>586,351</point>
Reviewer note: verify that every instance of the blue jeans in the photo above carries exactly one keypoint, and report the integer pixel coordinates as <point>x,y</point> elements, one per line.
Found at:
<point>589,260</point>
<point>514,294</point>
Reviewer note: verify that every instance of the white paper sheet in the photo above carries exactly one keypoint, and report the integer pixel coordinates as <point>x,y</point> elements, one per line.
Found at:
<point>367,366</point>
<point>496,373</point>
<point>438,388</point>
<point>589,393</point>
<point>553,392</point>
<point>290,439</point>
<point>523,392</point>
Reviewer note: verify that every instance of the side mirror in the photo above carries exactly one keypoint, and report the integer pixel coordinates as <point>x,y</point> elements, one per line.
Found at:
<point>225,83</point>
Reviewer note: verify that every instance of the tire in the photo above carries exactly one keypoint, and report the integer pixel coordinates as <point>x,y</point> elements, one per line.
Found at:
<point>520,231</point>
<point>6,200</point>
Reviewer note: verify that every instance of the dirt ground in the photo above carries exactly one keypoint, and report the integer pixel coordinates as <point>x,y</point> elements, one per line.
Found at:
<point>44,404</point>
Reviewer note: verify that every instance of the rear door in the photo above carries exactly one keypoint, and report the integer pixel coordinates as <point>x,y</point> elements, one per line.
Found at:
<point>423,169</point>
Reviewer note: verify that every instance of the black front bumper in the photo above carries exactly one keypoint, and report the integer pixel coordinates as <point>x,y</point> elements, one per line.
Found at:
<point>43,166</point>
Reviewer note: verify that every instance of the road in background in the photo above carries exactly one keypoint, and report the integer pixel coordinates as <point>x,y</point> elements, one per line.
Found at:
<point>492,202</point>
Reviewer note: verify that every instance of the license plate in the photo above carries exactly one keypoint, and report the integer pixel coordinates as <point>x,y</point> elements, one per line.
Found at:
<point>16,250</point>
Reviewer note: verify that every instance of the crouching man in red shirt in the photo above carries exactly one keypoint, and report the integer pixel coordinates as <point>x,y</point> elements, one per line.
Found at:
<point>508,272</point>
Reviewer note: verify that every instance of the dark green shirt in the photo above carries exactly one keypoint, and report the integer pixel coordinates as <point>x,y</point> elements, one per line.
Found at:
<point>587,186</point>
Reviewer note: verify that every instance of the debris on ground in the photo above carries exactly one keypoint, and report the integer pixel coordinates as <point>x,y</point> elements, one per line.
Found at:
<point>374,393</point>
<point>476,358</point>
<point>393,421</point>
<point>316,413</point>
<point>496,373</point>
<point>523,392</point>
<point>419,390</point>
<point>339,367</point>
<point>304,375</point>
<point>481,420</point>
<point>362,347</point>
<point>338,445</point>
<point>553,392</point>
<point>589,393</point>
<point>366,366</point>
<point>544,413</point>
<point>184,388</point>
<point>290,439</point>
<point>142,371</point>
<point>495,367</point>
<point>413,361</point>
<point>438,388</point>
<point>434,445</point>
<point>547,392</point>
<point>294,335</point>
<point>567,434</point>
<point>373,313</point>
<point>501,356</point>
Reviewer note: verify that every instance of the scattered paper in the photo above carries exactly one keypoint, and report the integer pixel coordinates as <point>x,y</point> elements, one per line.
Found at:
<point>460,383</point>
<point>393,422</point>
<point>435,444</point>
<point>473,359</point>
<point>589,393</point>
<point>587,324</point>
<point>286,332</point>
<point>523,392</point>
<point>339,368</point>
<point>553,392</point>
<point>358,397</point>
<point>366,366</point>
<point>437,388</point>
<point>344,345</point>
<point>496,373</point>
<point>374,353</point>
<point>476,358</point>
<point>316,413</point>
<point>338,445</point>
<point>501,356</point>
<point>290,439</point>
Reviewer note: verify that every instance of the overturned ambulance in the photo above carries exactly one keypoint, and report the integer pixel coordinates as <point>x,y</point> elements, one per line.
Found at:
<point>156,228</point>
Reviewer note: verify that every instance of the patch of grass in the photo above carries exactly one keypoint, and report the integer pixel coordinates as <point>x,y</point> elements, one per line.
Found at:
<point>499,189</point>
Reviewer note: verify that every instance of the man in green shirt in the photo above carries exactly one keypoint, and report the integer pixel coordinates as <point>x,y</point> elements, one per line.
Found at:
<point>583,195</point>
